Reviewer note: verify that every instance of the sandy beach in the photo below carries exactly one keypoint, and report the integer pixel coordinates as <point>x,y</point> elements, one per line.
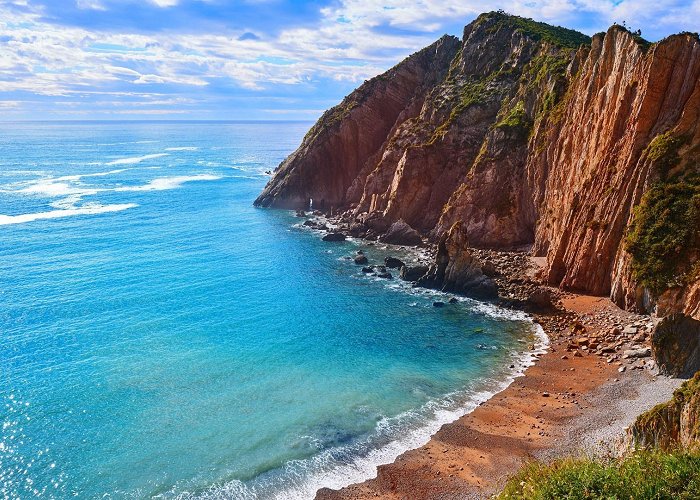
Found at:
<point>571,402</point>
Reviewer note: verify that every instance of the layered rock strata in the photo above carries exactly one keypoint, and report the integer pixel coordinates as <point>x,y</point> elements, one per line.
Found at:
<point>585,150</point>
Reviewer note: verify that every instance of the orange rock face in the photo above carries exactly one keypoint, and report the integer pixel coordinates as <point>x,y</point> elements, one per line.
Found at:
<point>524,134</point>
<point>622,99</point>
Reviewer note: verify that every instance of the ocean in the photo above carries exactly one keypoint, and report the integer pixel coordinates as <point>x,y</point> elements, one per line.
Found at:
<point>161,337</point>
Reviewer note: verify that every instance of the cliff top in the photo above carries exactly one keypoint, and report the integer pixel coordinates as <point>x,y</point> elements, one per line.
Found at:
<point>556,35</point>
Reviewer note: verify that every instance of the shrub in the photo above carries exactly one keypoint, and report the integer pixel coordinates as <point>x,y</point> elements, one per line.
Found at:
<point>642,474</point>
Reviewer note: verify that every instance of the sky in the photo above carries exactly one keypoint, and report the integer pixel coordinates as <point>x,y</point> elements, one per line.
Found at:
<point>246,59</point>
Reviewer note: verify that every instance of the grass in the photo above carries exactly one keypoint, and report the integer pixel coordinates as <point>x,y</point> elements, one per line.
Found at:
<point>516,120</point>
<point>555,35</point>
<point>644,474</point>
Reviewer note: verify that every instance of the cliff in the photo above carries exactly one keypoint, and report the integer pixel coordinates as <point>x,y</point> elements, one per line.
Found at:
<point>673,424</point>
<point>584,149</point>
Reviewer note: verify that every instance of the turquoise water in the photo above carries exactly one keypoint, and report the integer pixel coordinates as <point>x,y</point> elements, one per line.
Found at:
<point>162,337</point>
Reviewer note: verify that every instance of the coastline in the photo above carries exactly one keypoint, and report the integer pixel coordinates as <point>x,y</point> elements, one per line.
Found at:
<point>550,410</point>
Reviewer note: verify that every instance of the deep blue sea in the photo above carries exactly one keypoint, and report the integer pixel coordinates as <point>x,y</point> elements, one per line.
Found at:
<point>161,337</point>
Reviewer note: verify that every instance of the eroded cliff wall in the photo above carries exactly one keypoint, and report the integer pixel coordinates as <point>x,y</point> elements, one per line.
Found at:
<point>527,134</point>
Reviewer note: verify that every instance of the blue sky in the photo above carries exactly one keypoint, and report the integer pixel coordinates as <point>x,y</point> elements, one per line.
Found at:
<point>246,59</point>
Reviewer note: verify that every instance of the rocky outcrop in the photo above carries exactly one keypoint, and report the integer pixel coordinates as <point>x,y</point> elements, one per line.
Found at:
<point>457,270</point>
<point>349,138</point>
<point>586,150</point>
<point>676,345</point>
<point>400,233</point>
<point>672,424</point>
<point>413,273</point>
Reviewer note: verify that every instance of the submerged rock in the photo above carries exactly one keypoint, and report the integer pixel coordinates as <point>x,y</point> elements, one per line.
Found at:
<point>360,260</point>
<point>367,270</point>
<point>385,275</point>
<point>438,303</point>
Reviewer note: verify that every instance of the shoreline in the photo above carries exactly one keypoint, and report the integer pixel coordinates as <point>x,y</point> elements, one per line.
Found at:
<point>551,410</point>
<point>544,414</point>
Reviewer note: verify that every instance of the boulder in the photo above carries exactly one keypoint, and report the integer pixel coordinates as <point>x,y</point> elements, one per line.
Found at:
<point>300,213</point>
<point>412,273</point>
<point>385,275</point>
<point>489,269</point>
<point>334,237</point>
<point>360,260</point>
<point>457,270</point>
<point>367,270</point>
<point>438,303</point>
<point>675,345</point>
<point>357,230</point>
<point>539,300</point>
<point>393,263</point>
<point>642,352</point>
<point>400,233</point>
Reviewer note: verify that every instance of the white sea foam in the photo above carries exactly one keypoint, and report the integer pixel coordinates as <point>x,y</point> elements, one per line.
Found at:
<point>136,159</point>
<point>183,148</point>
<point>55,214</point>
<point>163,183</point>
<point>51,188</point>
<point>77,177</point>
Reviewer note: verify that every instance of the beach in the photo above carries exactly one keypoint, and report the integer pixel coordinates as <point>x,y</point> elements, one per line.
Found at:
<point>571,402</point>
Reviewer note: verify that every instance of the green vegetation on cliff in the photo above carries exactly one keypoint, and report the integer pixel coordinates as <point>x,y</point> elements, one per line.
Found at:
<point>665,229</point>
<point>642,474</point>
<point>556,35</point>
<point>661,426</point>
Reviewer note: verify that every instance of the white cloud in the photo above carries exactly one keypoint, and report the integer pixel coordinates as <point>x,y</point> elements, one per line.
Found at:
<point>165,3</point>
<point>348,44</point>
<point>90,4</point>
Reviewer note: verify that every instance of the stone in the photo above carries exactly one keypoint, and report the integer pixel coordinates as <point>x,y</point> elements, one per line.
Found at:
<point>630,330</point>
<point>300,213</point>
<point>385,275</point>
<point>367,270</point>
<point>675,345</point>
<point>334,237</point>
<point>438,303</point>
<point>393,263</point>
<point>489,269</point>
<point>539,300</point>
<point>643,352</point>
<point>400,233</point>
<point>412,273</point>
<point>360,260</point>
<point>453,300</point>
<point>457,270</point>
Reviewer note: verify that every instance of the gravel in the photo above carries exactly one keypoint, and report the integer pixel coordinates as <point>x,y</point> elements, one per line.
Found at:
<point>601,430</point>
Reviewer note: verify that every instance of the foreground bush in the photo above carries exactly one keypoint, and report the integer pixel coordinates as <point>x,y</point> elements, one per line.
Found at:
<point>641,475</point>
